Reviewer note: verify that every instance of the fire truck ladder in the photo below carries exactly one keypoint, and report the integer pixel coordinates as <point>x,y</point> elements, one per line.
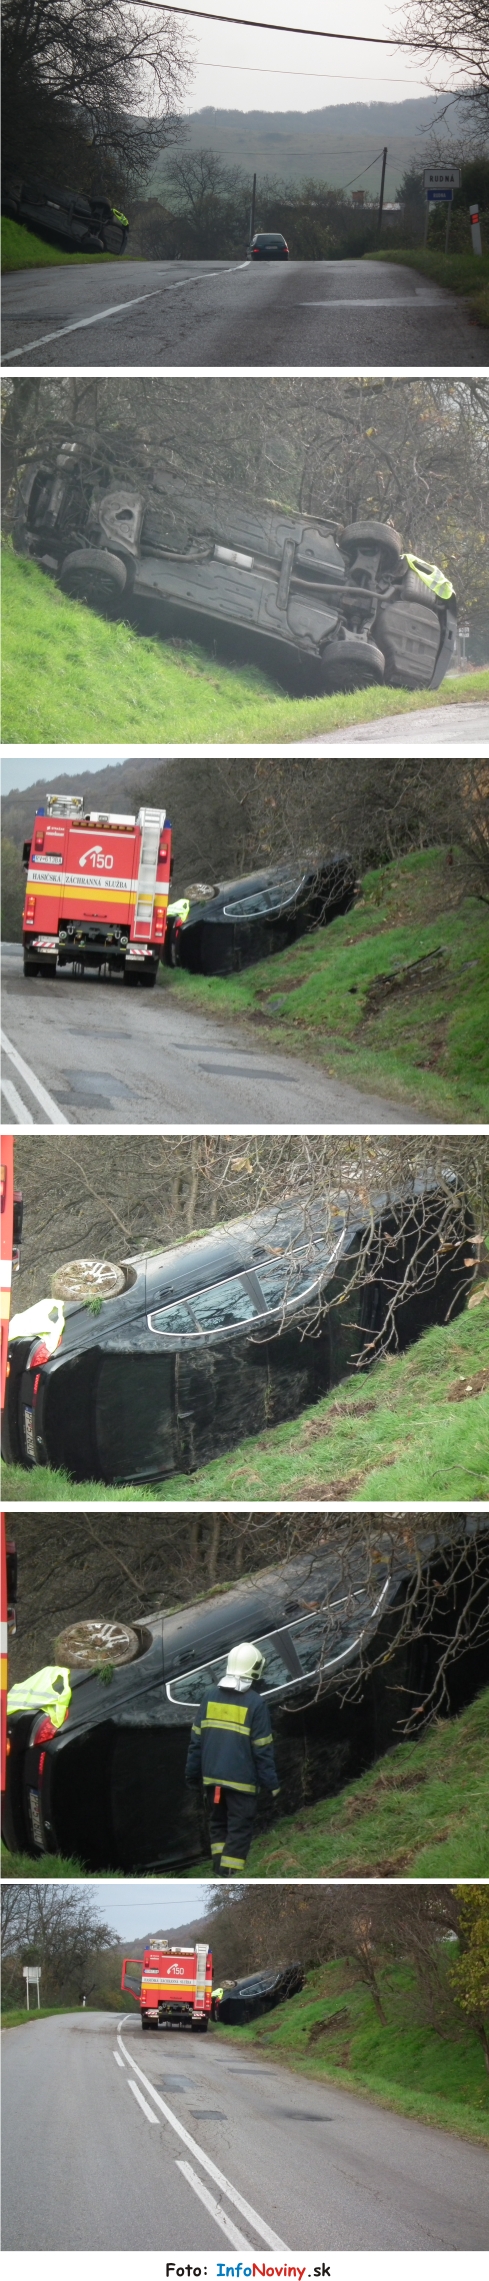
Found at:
<point>201,1954</point>
<point>151,821</point>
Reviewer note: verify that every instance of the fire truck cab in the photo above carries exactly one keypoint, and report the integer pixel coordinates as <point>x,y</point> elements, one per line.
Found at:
<point>97,890</point>
<point>172,1985</point>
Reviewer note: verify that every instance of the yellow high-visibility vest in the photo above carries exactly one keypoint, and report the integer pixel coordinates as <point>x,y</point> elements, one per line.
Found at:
<point>48,1690</point>
<point>430,576</point>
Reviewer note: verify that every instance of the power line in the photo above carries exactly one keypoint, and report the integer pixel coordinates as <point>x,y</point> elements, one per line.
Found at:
<point>299,31</point>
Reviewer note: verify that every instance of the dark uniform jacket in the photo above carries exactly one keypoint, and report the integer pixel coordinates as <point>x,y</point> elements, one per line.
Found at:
<point>232,1742</point>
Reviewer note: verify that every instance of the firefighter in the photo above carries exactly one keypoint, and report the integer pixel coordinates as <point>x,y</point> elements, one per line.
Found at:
<point>231,1751</point>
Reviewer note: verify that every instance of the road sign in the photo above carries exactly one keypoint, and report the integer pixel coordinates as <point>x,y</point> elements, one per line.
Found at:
<point>439,197</point>
<point>464,632</point>
<point>441,178</point>
<point>32,1974</point>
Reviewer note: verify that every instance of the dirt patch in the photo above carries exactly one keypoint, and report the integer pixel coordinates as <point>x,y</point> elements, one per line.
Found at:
<point>316,1430</point>
<point>327,1492</point>
<point>329,2026</point>
<point>464,1387</point>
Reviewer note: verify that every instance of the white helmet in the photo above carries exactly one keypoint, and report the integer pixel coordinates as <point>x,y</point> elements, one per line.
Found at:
<point>245,1663</point>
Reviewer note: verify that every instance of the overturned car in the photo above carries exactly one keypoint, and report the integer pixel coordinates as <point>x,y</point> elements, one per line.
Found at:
<point>96,1765</point>
<point>136,1371</point>
<point>219,930</point>
<point>89,225</point>
<point>342,611</point>
<point>245,2000</point>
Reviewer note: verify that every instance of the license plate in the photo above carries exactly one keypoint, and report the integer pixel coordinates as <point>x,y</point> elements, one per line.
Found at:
<point>29,1433</point>
<point>35,1819</point>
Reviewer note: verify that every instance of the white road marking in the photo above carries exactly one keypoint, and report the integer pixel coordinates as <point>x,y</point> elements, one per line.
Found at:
<point>246,2210</point>
<point>143,2103</point>
<point>80,323</point>
<point>117,2055</point>
<point>401,301</point>
<point>216,2210</point>
<point>24,1116</point>
<point>54,1115</point>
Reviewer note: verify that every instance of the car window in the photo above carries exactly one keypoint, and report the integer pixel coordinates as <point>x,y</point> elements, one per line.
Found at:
<point>284,1280</point>
<point>266,901</point>
<point>282,1669</point>
<point>214,1309</point>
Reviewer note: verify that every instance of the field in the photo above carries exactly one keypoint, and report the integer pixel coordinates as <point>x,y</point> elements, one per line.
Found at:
<point>331,2033</point>
<point>414,1428</point>
<point>69,676</point>
<point>344,996</point>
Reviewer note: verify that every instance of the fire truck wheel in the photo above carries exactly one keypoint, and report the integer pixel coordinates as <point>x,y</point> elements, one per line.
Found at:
<point>148,977</point>
<point>144,2021</point>
<point>93,575</point>
<point>199,2027</point>
<point>89,1279</point>
<point>31,966</point>
<point>374,535</point>
<point>95,1641</point>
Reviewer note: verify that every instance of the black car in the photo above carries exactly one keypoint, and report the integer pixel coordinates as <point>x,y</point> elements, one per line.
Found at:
<point>269,245</point>
<point>89,225</point>
<point>134,1373</point>
<point>323,611</point>
<point>108,1785</point>
<point>245,2000</point>
<point>222,929</point>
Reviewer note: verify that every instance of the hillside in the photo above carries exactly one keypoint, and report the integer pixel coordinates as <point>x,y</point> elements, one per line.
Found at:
<point>331,2033</point>
<point>330,144</point>
<point>353,997</point>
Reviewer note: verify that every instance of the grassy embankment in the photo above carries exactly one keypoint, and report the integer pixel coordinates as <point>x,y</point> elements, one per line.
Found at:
<point>420,1811</point>
<point>22,249</point>
<point>68,676</point>
<point>331,2033</point>
<point>462,272</point>
<point>416,1427</point>
<point>422,1038</point>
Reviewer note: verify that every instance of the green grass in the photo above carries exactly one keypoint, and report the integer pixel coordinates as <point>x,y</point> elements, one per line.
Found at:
<point>463,272</point>
<point>69,676</point>
<point>330,2033</point>
<point>21,249</point>
<point>415,1443</point>
<point>421,1811</point>
<point>17,1865</point>
<point>19,2018</point>
<point>428,1045</point>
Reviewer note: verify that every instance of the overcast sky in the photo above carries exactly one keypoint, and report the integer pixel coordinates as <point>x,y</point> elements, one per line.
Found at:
<point>249,70</point>
<point>133,1907</point>
<point>17,774</point>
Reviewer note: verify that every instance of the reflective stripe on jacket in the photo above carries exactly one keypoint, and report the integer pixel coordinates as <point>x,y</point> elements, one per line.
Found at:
<point>48,1690</point>
<point>430,576</point>
<point>231,1742</point>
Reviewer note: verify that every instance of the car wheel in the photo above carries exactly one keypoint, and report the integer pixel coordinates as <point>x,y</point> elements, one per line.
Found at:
<point>89,1279</point>
<point>351,664</point>
<point>97,1641</point>
<point>90,244</point>
<point>113,237</point>
<point>373,535</point>
<point>93,575</point>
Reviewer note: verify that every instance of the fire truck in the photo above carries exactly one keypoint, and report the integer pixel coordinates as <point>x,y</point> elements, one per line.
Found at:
<point>172,1985</point>
<point>97,890</point>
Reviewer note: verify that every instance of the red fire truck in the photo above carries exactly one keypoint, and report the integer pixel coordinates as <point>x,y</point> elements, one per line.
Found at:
<point>172,1985</point>
<point>97,890</point>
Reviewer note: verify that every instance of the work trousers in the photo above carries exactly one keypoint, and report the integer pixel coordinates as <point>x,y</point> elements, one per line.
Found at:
<point>232,1816</point>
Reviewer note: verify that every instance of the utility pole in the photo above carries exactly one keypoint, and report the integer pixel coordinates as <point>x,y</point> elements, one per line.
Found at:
<point>381,199</point>
<point>252,209</point>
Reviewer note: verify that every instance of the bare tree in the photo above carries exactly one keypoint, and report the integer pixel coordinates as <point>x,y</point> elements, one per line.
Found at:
<point>113,77</point>
<point>455,38</point>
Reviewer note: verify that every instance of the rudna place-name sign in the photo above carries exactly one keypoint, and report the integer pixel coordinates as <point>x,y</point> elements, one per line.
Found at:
<point>441,178</point>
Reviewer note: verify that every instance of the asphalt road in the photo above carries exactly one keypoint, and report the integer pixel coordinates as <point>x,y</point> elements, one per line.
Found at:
<point>354,313</point>
<point>169,2139</point>
<point>89,1052</point>
<point>440,729</point>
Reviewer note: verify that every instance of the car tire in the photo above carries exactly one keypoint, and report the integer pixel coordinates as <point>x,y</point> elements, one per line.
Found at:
<point>89,1279</point>
<point>374,535</point>
<point>84,1645</point>
<point>95,576</point>
<point>351,665</point>
<point>113,237</point>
